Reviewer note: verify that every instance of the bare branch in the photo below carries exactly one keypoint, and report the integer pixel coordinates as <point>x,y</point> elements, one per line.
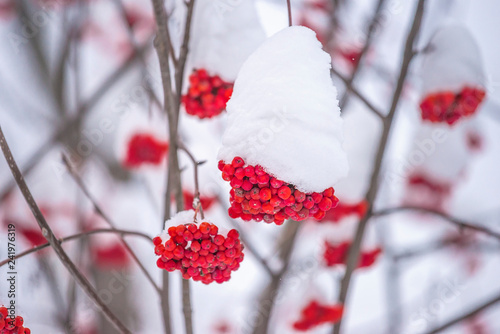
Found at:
<point>458,222</point>
<point>363,99</point>
<point>355,249</point>
<point>78,236</point>
<point>180,68</point>
<point>467,315</point>
<point>108,220</point>
<point>54,242</point>
<point>268,296</point>
<point>369,36</point>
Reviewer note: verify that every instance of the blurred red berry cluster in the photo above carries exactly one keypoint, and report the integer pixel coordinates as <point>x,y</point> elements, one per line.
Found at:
<point>337,254</point>
<point>11,326</point>
<point>315,314</point>
<point>343,210</point>
<point>449,107</point>
<point>257,195</point>
<point>143,148</point>
<point>207,95</point>
<point>200,252</point>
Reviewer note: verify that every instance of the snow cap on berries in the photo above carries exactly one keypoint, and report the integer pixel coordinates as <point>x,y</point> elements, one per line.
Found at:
<point>284,114</point>
<point>223,36</point>
<point>453,60</point>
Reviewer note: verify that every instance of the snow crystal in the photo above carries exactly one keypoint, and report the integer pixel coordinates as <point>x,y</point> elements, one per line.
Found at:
<point>452,62</point>
<point>284,113</point>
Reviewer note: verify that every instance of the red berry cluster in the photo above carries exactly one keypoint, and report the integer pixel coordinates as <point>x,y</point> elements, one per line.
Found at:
<point>337,254</point>
<point>109,257</point>
<point>315,314</point>
<point>11,326</point>
<point>259,196</point>
<point>200,252</point>
<point>207,95</point>
<point>427,192</point>
<point>450,107</point>
<point>143,148</point>
<point>432,185</point>
<point>343,210</point>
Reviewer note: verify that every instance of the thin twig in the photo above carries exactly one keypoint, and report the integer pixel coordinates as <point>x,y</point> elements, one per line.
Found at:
<point>357,66</point>
<point>465,316</point>
<point>133,42</point>
<point>268,297</point>
<point>77,236</point>
<point>107,219</point>
<point>289,6</point>
<point>458,222</point>
<point>371,194</point>
<point>54,242</point>
<point>68,127</point>
<point>363,99</point>
<point>181,65</point>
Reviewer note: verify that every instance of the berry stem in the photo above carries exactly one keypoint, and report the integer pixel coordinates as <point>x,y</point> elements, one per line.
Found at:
<point>196,163</point>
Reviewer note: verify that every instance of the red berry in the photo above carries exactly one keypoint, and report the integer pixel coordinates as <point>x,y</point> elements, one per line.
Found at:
<point>249,171</point>
<point>204,228</point>
<point>233,234</point>
<point>239,173</point>
<point>206,244</point>
<point>259,170</point>
<point>172,231</point>
<point>247,185</point>
<point>221,165</point>
<point>265,194</point>
<point>228,169</point>
<point>275,183</point>
<point>157,241</point>
<point>238,162</point>
<point>317,197</point>
<point>284,192</point>
<point>325,204</point>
